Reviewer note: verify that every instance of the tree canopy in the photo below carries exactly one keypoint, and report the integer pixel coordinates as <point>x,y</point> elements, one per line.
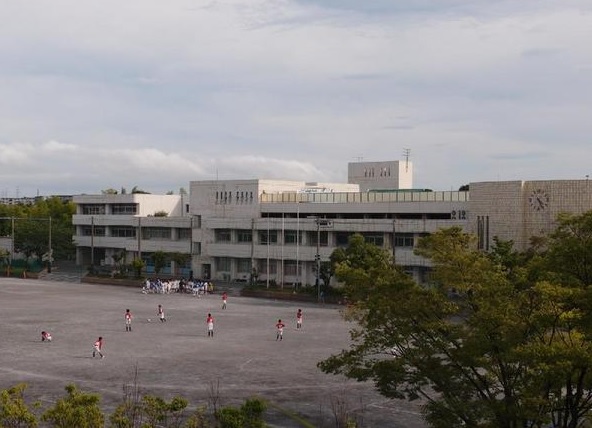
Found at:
<point>32,224</point>
<point>500,339</point>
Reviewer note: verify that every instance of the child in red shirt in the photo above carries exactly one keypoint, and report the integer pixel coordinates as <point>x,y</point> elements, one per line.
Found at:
<point>280,330</point>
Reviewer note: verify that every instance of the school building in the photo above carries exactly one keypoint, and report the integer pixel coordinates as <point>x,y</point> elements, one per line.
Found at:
<point>280,231</point>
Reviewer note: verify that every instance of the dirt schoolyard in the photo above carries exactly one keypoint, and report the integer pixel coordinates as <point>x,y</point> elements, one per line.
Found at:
<point>176,357</point>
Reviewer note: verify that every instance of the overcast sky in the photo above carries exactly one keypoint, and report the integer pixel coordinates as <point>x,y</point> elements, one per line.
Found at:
<point>155,94</point>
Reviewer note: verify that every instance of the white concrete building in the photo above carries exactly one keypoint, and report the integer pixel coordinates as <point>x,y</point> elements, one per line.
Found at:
<point>135,224</point>
<point>275,229</point>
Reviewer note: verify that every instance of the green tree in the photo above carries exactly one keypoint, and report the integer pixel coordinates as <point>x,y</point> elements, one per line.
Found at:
<point>569,253</point>
<point>499,351</point>
<point>159,258</point>
<point>138,265</point>
<point>76,409</point>
<point>248,415</point>
<point>14,412</point>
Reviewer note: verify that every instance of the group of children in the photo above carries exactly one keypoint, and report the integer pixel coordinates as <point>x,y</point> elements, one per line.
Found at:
<point>98,344</point>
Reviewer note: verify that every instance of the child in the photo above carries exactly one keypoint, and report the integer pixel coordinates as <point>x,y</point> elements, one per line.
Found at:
<point>128,320</point>
<point>299,318</point>
<point>161,313</point>
<point>97,347</point>
<point>45,336</point>
<point>224,299</point>
<point>280,330</point>
<point>210,323</point>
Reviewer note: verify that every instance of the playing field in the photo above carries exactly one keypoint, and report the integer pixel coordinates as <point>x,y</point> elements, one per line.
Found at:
<point>177,358</point>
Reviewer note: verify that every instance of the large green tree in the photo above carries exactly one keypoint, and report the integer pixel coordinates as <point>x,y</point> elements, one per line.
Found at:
<point>32,227</point>
<point>485,345</point>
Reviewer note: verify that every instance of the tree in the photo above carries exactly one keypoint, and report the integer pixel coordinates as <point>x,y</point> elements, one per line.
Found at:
<point>482,346</point>
<point>76,409</point>
<point>180,260</point>
<point>570,249</point>
<point>14,412</point>
<point>137,190</point>
<point>160,259</point>
<point>137,266</point>
<point>4,257</point>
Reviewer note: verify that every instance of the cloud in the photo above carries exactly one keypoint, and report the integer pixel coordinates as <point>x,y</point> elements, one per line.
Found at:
<point>157,94</point>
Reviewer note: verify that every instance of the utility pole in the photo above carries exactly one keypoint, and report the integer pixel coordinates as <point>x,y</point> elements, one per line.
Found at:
<point>318,260</point>
<point>49,251</point>
<point>92,242</point>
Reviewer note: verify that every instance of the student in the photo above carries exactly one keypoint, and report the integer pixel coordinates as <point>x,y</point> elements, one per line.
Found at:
<point>98,347</point>
<point>299,318</point>
<point>161,313</point>
<point>128,320</point>
<point>280,330</point>
<point>224,299</point>
<point>45,336</point>
<point>210,323</point>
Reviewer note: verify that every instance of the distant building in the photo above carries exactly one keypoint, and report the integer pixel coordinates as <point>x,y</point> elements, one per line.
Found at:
<point>273,230</point>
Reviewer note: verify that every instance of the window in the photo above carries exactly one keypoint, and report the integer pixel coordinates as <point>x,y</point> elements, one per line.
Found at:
<point>263,267</point>
<point>323,235</point>
<point>374,238</point>
<point>290,237</point>
<point>404,240</point>
<point>124,209</point>
<point>196,248</point>
<point>243,266</point>
<point>197,221</point>
<point>223,235</point>
<point>184,234</point>
<point>123,232</point>
<point>268,237</point>
<point>98,231</point>
<point>93,209</point>
<point>156,233</point>
<point>290,267</point>
<point>223,264</point>
<point>342,239</point>
<point>244,236</point>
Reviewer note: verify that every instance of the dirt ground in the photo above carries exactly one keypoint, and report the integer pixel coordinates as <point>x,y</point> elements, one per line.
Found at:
<point>177,358</point>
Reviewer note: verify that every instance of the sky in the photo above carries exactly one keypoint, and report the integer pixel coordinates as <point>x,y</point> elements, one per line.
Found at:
<point>154,94</point>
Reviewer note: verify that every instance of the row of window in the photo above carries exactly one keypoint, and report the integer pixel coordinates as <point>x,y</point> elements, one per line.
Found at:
<point>244,267</point>
<point>115,209</point>
<point>156,233</point>
<point>291,237</point>
<point>238,197</point>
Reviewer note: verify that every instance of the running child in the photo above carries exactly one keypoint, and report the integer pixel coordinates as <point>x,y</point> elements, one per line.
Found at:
<point>224,299</point>
<point>280,330</point>
<point>128,320</point>
<point>98,347</point>
<point>299,318</point>
<point>161,313</point>
<point>210,323</point>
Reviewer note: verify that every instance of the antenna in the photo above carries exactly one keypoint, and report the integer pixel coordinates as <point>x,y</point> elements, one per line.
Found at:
<point>406,154</point>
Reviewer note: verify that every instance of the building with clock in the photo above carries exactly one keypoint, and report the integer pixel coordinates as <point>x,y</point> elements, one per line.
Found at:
<point>518,210</point>
<point>279,231</point>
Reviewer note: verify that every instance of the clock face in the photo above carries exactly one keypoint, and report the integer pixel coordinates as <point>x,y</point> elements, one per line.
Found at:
<point>538,200</point>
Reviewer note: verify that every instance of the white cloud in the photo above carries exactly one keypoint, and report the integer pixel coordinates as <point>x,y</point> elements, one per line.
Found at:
<point>158,94</point>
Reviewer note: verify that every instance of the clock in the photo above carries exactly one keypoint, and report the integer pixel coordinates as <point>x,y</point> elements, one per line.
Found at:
<point>538,200</point>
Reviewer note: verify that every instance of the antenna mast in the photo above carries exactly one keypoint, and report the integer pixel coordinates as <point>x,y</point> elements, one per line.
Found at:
<point>406,154</point>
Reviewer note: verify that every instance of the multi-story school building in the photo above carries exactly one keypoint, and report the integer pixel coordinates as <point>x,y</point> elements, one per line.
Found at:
<point>281,230</point>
